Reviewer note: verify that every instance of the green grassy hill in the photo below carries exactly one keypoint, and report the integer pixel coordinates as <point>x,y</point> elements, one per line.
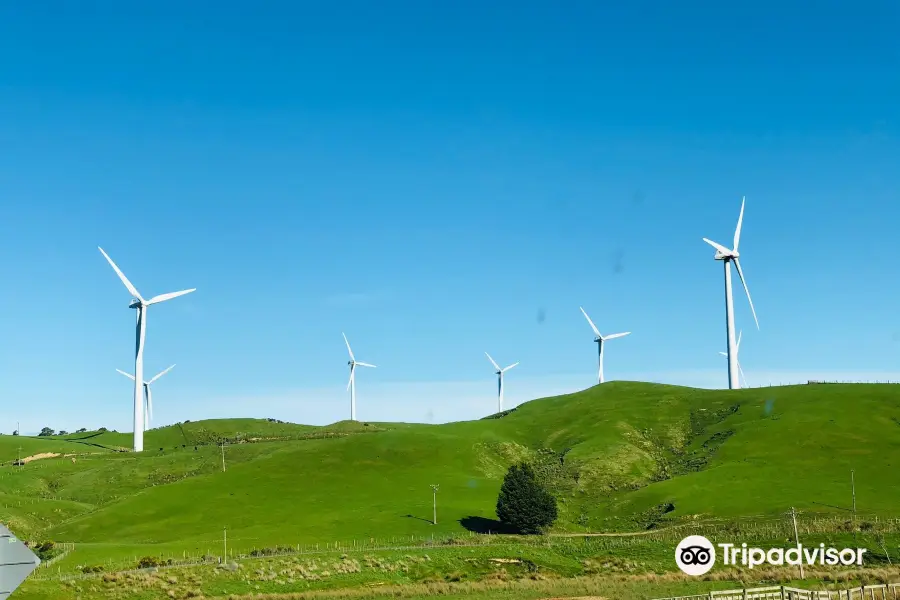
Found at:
<point>614,455</point>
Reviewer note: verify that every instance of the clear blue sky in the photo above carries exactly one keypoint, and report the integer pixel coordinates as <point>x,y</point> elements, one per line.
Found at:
<point>430,177</point>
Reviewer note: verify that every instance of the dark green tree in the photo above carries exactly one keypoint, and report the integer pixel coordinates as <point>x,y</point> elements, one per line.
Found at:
<point>523,502</point>
<point>46,431</point>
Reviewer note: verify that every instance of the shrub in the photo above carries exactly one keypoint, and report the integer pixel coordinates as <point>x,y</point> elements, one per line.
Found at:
<point>148,562</point>
<point>523,502</point>
<point>91,569</point>
<point>46,550</point>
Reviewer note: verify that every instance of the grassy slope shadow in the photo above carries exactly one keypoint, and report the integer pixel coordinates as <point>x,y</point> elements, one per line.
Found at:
<point>485,525</point>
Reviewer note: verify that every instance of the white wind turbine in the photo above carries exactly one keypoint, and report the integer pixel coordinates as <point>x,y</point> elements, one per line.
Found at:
<point>141,331</point>
<point>500,373</point>
<point>351,385</point>
<point>727,257</point>
<point>148,395</point>
<point>737,349</point>
<point>600,339</point>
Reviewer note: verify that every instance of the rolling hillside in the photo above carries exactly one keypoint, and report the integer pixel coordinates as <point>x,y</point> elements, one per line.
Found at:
<point>614,454</point>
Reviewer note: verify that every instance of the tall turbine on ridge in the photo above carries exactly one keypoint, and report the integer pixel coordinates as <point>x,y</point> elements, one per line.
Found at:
<point>737,349</point>
<point>600,339</point>
<point>351,385</point>
<point>727,257</point>
<point>141,306</point>
<point>148,396</point>
<point>500,373</point>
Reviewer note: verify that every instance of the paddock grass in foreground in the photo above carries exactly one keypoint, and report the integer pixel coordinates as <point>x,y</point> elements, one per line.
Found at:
<point>510,567</point>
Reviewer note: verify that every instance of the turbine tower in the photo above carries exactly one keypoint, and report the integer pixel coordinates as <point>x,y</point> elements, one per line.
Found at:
<point>500,373</point>
<point>148,395</point>
<point>727,257</point>
<point>600,339</point>
<point>737,349</point>
<point>141,306</point>
<point>351,385</point>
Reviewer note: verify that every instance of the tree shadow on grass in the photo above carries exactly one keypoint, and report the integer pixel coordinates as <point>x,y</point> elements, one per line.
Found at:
<point>419,518</point>
<point>844,508</point>
<point>484,525</point>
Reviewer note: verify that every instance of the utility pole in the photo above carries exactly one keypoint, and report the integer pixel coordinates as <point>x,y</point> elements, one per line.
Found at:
<point>223,455</point>
<point>434,490</point>
<point>853,488</point>
<point>225,542</point>
<point>797,538</point>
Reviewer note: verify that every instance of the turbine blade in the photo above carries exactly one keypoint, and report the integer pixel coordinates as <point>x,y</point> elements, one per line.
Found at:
<point>613,336</point>
<point>160,374</point>
<point>508,368</point>
<point>350,381</point>
<point>738,345</point>
<point>128,375</point>
<point>718,247</point>
<point>493,362</point>
<point>737,265</point>
<point>594,327</point>
<point>348,347</point>
<point>725,354</point>
<point>169,296</point>
<point>149,405</point>
<point>361,364</point>
<point>742,374</point>
<point>737,231</point>
<point>131,289</point>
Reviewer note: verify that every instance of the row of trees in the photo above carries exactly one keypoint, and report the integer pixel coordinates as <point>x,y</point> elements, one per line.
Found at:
<point>47,431</point>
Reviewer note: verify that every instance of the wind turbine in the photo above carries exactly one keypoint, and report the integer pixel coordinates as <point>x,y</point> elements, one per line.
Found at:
<point>727,257</point>
<point>500,373</point>
<point>148,395</point>
<point>600,339</point>
<point>141,306</point>
<point>737,349</point>
<point>351,385</point>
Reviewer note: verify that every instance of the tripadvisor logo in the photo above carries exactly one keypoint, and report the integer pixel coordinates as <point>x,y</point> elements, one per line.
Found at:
<point>696,555</point>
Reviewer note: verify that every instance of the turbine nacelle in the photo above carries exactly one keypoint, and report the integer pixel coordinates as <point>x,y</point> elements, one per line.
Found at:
<point>726,255</point>
<point>499,371</point>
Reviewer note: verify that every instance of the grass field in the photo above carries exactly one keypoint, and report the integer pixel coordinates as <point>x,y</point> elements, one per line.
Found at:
<point>620,457</point>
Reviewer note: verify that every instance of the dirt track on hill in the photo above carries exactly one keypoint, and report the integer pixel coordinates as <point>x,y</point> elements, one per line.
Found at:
<point>40,456</point>
<point>620,534</point>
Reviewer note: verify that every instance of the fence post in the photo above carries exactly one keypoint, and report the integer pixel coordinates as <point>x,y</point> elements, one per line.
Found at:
<point>782,593</point>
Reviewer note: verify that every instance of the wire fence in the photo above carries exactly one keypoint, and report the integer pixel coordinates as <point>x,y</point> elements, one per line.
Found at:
<point>218,552</point>
<point>215,555</point>
<point>821,381</point>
